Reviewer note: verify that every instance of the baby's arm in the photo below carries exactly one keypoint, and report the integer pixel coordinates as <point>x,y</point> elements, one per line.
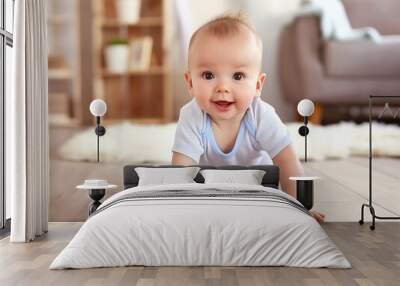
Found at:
<point>289,166</point>
<point>180,159</point>
<point>188,147</point>
<point>274,138</point>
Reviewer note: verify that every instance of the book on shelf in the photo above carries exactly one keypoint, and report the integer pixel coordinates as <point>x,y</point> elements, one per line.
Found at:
<point>140,53</point>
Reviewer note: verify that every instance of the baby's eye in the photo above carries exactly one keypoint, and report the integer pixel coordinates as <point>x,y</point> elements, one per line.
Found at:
<point>207,75</point>
<point>238,76</point>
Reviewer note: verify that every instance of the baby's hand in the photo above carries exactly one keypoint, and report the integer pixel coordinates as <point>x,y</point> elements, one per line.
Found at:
<point>320,217</point>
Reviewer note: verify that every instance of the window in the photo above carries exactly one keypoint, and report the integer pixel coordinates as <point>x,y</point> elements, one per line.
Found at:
<point>6,44</point>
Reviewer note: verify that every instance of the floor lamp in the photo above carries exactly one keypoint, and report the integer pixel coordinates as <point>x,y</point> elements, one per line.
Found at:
<point>98,108</point>
<point>97,188</point>
<point>305,108</point>
<point>305,185</point>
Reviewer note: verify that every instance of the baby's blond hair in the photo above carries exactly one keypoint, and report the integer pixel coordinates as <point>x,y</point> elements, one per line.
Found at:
<point>227,25</point>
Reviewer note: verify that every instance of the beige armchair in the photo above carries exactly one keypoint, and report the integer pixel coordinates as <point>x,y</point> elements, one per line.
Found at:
<point>346,73</point>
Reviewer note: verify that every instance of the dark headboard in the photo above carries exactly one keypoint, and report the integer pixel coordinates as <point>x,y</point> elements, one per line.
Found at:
<point>270,179</point>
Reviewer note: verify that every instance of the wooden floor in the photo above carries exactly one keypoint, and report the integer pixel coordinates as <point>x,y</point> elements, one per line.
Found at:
<point>374,255</point>
<point>339,194</point>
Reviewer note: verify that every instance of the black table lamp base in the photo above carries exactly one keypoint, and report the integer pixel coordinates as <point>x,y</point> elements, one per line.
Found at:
<point>96,195</point>
<point>305,193</point>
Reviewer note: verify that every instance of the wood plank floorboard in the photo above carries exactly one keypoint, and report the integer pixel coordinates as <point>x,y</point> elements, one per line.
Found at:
<point>374,255</point>
<point>388,166</point>
<point>339,194</point>
<point>352,175</point>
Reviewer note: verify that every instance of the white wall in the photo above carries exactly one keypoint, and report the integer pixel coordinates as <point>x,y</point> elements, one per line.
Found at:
<point>268,17</point>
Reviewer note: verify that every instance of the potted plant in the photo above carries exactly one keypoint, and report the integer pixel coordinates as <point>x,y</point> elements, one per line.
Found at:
<point>117,55</point>
<point>128,11</point>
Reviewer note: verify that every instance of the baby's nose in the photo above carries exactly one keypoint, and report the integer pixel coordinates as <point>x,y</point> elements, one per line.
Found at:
<point>222,87</point>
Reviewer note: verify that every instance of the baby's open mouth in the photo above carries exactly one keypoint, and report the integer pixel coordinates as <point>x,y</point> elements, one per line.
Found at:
<point>223,105</point>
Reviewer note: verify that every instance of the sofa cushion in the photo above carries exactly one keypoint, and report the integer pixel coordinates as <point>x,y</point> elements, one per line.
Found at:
<point>381,14</point>
<point>363,58</point>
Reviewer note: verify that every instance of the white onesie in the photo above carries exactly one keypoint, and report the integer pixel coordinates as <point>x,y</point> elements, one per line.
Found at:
<point>261,137</point>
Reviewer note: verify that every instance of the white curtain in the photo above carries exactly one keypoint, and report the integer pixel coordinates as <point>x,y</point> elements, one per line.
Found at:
<point>27,143</point>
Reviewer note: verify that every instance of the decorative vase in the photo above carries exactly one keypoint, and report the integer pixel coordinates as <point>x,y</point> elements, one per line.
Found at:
<point>117,57</point>
<point>128,11</point>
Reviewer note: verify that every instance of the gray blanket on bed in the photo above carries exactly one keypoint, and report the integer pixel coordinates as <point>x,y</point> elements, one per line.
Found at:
<point>205,193</point>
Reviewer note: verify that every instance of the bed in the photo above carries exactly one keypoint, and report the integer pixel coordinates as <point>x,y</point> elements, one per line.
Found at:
<point>201,224</point>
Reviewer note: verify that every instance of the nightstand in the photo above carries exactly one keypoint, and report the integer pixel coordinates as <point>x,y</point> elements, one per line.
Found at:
<point>97,190</point>
<point>305,190</point>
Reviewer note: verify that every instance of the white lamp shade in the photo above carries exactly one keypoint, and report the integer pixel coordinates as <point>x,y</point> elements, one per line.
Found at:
<point>305,107</point>
<point>98,107</point>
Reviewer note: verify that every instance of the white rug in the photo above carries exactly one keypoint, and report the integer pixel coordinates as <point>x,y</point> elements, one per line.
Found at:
<point>135,143</point>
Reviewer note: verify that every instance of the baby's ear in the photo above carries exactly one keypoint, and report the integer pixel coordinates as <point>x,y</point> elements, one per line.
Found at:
<point>260,82</point>
<point>188,80</point>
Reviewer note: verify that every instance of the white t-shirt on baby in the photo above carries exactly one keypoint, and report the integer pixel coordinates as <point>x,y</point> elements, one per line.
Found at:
<point>261,136</point>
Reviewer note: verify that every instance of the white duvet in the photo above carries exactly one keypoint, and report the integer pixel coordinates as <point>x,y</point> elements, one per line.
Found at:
<point>182,231</point>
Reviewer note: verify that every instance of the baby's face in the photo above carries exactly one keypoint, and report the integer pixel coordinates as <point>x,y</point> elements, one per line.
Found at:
<point>224,73</point>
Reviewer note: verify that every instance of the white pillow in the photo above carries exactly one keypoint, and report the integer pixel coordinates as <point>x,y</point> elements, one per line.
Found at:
<point>249,177</point>
<point>162,176</point>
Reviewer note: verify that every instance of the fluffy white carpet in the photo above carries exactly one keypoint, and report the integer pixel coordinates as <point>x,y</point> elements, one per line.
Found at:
<point>135,143</point>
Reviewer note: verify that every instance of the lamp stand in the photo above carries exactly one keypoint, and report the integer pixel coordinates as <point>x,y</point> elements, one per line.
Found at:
<point>305,138</point>
<point>100,131</point>
<point>303,131</point>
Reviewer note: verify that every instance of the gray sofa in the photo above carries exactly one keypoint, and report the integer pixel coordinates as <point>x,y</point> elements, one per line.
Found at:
<point>341,73</point>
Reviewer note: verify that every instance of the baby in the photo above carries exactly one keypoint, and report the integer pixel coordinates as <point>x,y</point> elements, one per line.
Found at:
<point>227,123</point>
